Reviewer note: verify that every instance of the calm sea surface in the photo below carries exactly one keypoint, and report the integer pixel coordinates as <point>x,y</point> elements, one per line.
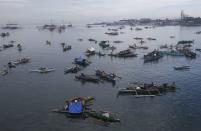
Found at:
<point>26,99</point>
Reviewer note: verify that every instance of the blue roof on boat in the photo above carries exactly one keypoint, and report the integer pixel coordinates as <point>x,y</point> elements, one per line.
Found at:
<point>75,107</point>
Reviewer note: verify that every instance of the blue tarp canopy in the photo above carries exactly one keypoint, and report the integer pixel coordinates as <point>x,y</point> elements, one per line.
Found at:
<point>75,107</point>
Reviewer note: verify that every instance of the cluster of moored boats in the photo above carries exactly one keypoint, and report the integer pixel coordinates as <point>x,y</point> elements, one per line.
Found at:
<point>13,64</point>
<point>81,106</point>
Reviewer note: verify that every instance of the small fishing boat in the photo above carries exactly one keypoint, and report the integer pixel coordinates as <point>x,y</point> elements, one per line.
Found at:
<point>43,70</point>
<point>11,65</point>
<point>104,116</point>
<point>5,46</point>
<point>72,69</point>
<point>117,41</point>
<point>138,38</point>
<point>87,78</point>
<point>22,61</point>
<point>66,48</point>
<point>19,46</point>
<point>138,29</point>
<point>153,56</point>
<point>90,51</point>
<point>81,61</point>
<point>103,44</point>
<point>149,38</point>
<point>112,33</point>
<point>181,67</point>
<point>110,77</point>
<point>4,72</point>
<point>198,49</point>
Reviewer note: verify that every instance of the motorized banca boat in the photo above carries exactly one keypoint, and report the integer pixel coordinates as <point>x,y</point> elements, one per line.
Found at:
<point>103,44</point>
<point>72,69</point>
<point>87,78</point>
<point>90,51</point>
<point>22,61</point>
<point>43,70</point>
<point>81,61</point>
<point>153,56</point>
<point>106,76</point>
<point>181,67</point>
<point>134,46</point>
<point>104,116</point>
<point>5,46</point>
<point>11,65</point>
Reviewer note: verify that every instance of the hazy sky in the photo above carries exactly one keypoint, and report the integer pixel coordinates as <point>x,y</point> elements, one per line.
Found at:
<point>84,11</point>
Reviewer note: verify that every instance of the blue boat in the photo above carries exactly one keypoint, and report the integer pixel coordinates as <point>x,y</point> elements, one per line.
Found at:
<point>81,61</point>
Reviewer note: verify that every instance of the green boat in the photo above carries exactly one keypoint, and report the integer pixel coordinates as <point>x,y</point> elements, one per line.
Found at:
<point>172,53</point>
<point>103,115</point>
